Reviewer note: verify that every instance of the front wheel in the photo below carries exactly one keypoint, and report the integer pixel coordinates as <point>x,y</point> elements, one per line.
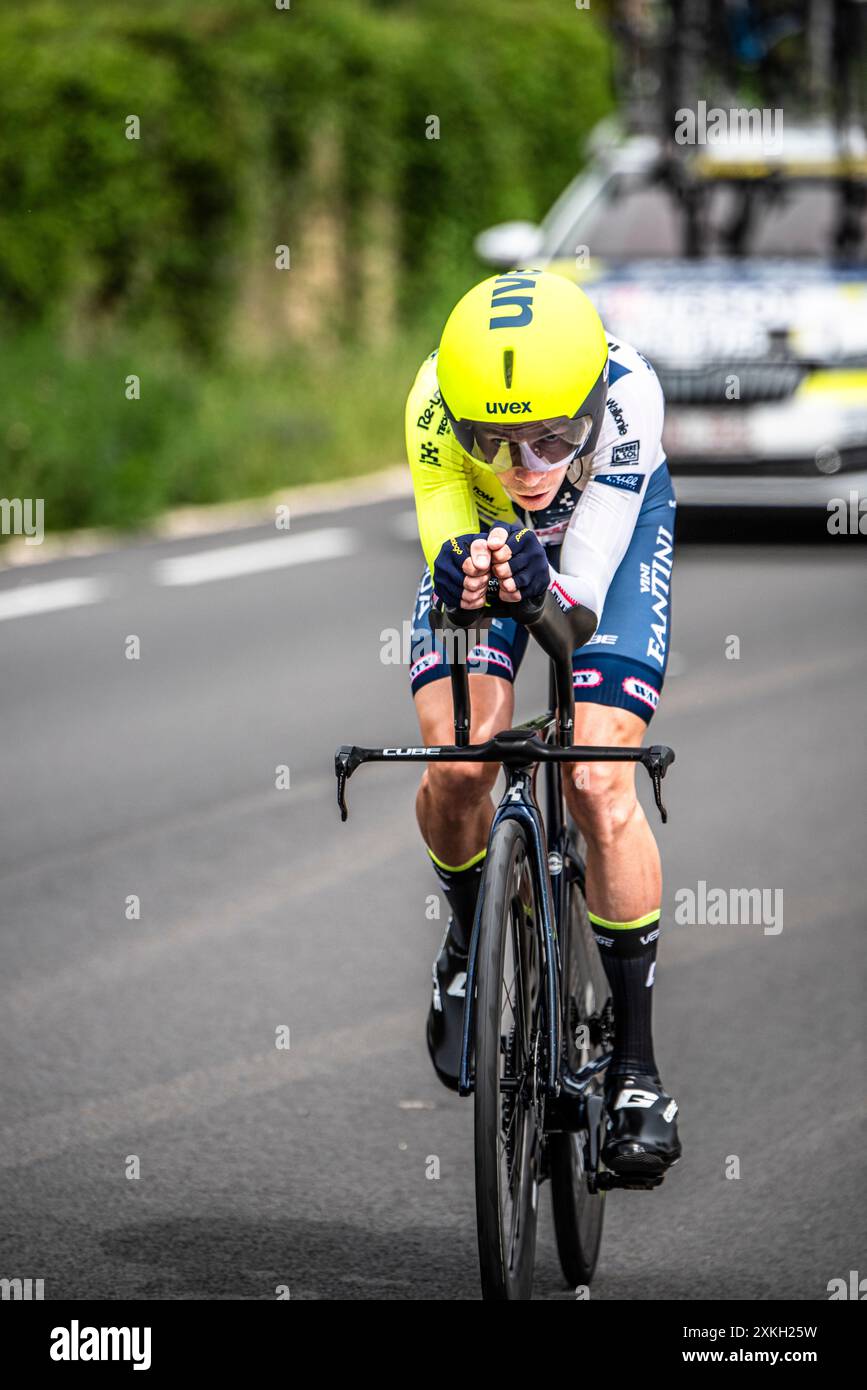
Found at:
<point>508,1037</point>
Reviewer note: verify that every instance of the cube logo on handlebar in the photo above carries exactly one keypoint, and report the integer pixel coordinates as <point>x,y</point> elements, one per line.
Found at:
<point>538,1022</point>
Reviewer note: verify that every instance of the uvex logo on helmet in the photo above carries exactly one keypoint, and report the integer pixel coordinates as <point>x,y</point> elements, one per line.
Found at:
<point>507,407</point>
<point>503,296</point>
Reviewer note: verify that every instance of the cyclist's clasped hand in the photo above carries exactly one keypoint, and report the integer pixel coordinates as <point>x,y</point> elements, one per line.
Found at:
<point>462,571</point>
<point>512,554</point>
<point>519,562</point>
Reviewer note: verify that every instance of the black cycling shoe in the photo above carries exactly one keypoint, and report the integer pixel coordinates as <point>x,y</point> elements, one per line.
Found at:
<point>641,1138</point>
<point>445,1020</point>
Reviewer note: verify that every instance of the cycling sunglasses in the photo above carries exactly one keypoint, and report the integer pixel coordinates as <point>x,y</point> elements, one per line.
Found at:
<point>542,447</point>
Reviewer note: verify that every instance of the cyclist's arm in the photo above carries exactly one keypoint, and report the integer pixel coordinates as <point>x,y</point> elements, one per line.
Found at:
<point>595,543</point>
<point>602,524</point>
<point>441,480</point>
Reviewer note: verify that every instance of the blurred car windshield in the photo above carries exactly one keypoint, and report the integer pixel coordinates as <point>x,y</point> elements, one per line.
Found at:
<point>641,217</point>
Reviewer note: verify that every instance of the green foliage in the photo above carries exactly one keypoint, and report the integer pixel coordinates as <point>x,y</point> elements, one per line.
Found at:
<point>201,432</point>
<point>259,127</point>
<point>95,223</point>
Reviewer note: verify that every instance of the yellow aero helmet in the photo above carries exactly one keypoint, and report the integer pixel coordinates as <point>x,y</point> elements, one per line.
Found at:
<point>523,371</point>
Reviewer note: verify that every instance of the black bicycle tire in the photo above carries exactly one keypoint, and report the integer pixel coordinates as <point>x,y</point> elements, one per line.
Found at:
<point>498,1281</point>
<point>578,1214</point>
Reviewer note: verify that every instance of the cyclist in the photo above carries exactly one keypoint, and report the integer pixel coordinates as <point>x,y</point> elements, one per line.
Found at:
<point>534,441</point>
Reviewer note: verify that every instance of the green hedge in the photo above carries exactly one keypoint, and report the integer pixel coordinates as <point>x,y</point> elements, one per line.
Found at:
<point>259,127</point>
<point>203,432</point>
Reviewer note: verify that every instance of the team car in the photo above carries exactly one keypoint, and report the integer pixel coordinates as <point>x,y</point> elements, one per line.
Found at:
<point>739,268</point>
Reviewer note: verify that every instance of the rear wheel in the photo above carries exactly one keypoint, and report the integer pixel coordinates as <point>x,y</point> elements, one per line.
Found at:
<point>579,1213</point>
<point>508,1041</point>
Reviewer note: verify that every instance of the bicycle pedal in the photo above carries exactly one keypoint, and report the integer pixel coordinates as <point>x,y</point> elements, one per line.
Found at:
<point>606,1180</point>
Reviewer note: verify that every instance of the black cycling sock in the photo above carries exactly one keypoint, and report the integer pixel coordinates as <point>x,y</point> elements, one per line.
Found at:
<point>628,951</point>
<point>461,886</point>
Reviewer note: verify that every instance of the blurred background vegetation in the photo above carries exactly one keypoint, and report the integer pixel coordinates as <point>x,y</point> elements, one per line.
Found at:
<point>155,257</point>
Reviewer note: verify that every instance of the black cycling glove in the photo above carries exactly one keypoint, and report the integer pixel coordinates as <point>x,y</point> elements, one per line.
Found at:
<point>529,563</point>
<point>448,575</point>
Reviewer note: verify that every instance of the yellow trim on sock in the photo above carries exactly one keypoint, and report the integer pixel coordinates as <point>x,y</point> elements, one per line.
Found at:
<point>456,868</point>
<point>624,926</point>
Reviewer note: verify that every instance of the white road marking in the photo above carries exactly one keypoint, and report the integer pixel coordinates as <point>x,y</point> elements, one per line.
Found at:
<point>229,561</point>
<point>48,598</point>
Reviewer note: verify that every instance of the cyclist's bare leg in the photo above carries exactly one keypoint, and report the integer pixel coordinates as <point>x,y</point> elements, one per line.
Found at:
<point>624,880</point>
<point>454,811</point>
<point>624,890</point>
<point>454,806</point>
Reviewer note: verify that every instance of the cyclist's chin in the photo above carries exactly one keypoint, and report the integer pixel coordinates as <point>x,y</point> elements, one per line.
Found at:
<point>532,491</point>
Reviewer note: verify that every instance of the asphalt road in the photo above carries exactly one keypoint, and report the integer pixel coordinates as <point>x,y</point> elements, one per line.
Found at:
<point>306,1167</point>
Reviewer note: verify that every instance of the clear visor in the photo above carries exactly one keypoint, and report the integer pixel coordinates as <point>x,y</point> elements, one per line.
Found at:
<point>541,447</point>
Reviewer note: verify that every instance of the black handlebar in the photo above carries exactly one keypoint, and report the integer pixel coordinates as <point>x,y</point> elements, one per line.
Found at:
<point>558,631</point>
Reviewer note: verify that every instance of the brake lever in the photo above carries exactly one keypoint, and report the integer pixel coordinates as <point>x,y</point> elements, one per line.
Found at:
<point>656,778</point>
<point>341,794</point>
<point>658,760</point>
<point>346,760</point>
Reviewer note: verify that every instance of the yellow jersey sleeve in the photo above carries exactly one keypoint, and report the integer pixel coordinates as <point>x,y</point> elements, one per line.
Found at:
<point>446,481</point>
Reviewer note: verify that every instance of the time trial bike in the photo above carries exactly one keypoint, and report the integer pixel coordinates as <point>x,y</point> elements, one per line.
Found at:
<point>538,1022</point>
